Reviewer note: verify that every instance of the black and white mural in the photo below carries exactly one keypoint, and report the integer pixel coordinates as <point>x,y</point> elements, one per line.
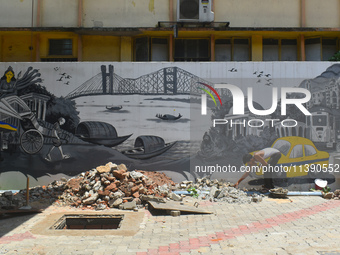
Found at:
<point>61,119</point>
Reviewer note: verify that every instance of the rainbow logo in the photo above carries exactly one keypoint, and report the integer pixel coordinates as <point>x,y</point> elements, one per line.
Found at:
<point>204,97</point>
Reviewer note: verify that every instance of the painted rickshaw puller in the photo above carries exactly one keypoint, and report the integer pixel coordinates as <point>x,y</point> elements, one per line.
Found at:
<point>56,131</point>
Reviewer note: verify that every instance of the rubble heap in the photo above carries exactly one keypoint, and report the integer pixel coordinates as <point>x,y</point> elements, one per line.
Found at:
<point>9,201</point>
<point>100,188</point>
<point>110,186</point>
<point>218,191</point>
<point>113,186</point>
<point>332,195</point>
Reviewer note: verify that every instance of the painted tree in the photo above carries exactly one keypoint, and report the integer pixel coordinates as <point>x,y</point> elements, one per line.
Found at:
<point>335,57</point>
<point>61,107</point>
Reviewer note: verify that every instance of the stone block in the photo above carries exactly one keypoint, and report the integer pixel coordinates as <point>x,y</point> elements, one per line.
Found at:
<point>175,197</point>
<point>175,213</point>
<point>115,203</point>
<point>129,205</point>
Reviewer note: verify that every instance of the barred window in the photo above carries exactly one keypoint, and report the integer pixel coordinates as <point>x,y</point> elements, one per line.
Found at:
<point>60,47</point>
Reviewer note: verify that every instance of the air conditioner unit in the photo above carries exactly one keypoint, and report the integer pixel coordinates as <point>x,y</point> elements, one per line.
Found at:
<point>194,11</point>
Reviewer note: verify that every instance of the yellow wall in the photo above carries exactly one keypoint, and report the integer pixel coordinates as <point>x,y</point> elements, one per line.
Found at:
<point>126,49</point>
<point>65,15</point>
<point>256,48</point>
<point>16,47</point>
<point>101,48</point>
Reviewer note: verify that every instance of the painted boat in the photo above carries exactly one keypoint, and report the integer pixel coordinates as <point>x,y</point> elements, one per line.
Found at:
<point>108,142</point>
<point>147,147</point>
<point>114,108</point>
<point>168,116</point>
<point>100,133</point>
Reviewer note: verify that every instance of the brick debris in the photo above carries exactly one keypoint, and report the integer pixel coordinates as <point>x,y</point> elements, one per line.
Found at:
<point>114,186</point>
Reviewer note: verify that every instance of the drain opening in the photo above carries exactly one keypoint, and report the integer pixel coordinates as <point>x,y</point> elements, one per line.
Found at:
<point>81,221</point>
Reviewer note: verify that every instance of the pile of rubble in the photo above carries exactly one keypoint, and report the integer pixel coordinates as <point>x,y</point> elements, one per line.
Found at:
<point>332,195</point>
<point>113,186</point>
<point>218,191</point>
<point>110,186</point>
<point>9,201</point>
<point>105,186</point>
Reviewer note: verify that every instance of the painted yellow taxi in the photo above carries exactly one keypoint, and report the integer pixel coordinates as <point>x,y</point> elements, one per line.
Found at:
<point>299,156</point>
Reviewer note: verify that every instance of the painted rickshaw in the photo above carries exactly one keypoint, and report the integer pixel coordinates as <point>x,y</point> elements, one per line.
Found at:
<point>13,107</point>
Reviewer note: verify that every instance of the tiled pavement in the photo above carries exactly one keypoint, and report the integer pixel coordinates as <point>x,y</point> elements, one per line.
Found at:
<point>299,225</point>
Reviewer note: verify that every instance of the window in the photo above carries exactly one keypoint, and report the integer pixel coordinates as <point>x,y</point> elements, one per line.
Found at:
<point>320,121</point>
<point>159,49</point>
<point>270,50</point>
<point>60,47</point>
<point>329,48</point>
<point>58,59</point>
<point>283,146</point>
<point>151,49</point>
<point>296,152</point>
<point>313,49</point>
<point>309,150</point>
<point>142,49</point>
<point>241,50</point>
<point>192,50</point>
<point>318,49</point>
<point>288,50</point>
<point>223,50</point>
<point>232,50</point>
<point>279,49</point>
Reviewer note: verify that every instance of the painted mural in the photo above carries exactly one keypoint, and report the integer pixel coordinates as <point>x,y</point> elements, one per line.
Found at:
<point>61,119</point>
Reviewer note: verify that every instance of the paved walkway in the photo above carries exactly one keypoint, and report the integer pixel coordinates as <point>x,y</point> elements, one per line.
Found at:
<point>299,225</point>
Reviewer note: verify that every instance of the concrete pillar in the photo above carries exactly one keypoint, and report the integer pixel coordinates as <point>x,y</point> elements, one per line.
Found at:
<point>125,49</point>
<point>171,48</point>
<point>1,51</point>
<point>38,15</point>
<point>37,48</point>
<point>80,13</point>
<point>301,48</point>
<point>171,10</point>
<point>80,48</point>
<point>212,48</point>
<point>256,48</point>
<point>302,13</point>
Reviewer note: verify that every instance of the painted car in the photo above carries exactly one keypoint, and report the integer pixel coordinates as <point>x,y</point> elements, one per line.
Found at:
<point>299,156</point>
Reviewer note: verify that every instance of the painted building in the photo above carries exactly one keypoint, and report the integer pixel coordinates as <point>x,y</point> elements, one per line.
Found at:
<point>168,30</point>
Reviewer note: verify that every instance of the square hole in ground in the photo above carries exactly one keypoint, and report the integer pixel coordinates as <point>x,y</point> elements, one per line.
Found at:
<point>94,221</point>
<point>121,223</point>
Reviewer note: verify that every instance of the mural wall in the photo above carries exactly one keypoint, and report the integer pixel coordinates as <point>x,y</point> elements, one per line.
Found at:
<point>61,119</point>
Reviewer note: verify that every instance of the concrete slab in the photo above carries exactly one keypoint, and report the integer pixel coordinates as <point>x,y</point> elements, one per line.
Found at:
<point>177,206</point>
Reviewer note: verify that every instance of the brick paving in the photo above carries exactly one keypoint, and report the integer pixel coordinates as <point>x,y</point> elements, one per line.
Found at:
<point>299,225</point>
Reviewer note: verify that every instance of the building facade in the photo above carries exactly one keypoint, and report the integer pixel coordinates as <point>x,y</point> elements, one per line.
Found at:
<point>168,30</point>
